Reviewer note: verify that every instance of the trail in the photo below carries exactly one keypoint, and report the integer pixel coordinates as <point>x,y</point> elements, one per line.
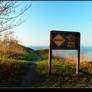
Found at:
<point>31,73</point>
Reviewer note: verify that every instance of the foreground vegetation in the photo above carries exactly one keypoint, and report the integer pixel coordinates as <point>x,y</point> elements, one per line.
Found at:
<point>63,74</point>
<point>26,56</point>
<point>14,60</point>
<point>11,72</point>
<point>13,68</point>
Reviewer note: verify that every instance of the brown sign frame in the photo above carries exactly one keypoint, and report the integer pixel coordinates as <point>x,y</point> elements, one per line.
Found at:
<point>51,47</point>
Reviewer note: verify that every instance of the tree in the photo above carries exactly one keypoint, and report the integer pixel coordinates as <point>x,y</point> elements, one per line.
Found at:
<point>10,12</point>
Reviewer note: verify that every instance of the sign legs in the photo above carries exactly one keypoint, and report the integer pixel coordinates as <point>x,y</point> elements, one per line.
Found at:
<point>50,60</point>
<point>78,63</point>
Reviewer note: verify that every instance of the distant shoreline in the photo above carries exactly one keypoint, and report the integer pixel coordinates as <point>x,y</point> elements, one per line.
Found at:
<point>84,49</point>
<point>41,47</point>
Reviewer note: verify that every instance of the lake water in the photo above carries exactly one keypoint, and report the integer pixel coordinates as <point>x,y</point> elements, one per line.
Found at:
<point>84,50</point>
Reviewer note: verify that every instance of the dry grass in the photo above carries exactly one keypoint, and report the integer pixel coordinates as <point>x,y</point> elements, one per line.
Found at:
<point>71,59</point>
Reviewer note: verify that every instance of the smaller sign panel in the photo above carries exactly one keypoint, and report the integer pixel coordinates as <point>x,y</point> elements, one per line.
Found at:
<point>65,40</point>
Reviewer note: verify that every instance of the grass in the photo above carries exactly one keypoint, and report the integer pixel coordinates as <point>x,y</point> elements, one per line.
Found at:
<point>43,53</point>
<point>27,56</point>
<point>11,72</point>
<point>63,74</point>
<point>62,77</point>
<point>56,80</point>
<point>12,69</point>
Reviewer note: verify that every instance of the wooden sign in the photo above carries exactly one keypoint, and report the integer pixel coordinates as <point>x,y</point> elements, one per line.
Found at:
<point>64,40</point>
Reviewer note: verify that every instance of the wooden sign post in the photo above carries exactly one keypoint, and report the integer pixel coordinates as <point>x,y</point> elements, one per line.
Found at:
<point>50,55</point>
<point>64,40</point>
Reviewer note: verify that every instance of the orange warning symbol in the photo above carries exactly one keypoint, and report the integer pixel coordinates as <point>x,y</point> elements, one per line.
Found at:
<point>58,40</point>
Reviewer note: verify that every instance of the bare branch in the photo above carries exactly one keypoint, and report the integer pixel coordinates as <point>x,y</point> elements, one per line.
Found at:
<point>9,14</point>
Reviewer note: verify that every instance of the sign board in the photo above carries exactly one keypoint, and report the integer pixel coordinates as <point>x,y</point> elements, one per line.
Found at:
<point>64,40</point>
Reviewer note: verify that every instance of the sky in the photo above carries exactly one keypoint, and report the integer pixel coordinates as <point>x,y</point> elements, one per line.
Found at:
<point>44,16</point>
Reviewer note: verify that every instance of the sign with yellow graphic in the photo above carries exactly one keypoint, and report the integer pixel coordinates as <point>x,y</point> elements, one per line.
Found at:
<point>64,40</point>
<point>58,40</point>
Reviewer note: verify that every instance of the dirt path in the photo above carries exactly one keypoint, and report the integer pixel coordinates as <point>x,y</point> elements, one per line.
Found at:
<point>31,73</point>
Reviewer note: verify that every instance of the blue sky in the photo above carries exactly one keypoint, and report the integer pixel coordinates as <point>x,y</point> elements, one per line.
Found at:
<point>45,16</point>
